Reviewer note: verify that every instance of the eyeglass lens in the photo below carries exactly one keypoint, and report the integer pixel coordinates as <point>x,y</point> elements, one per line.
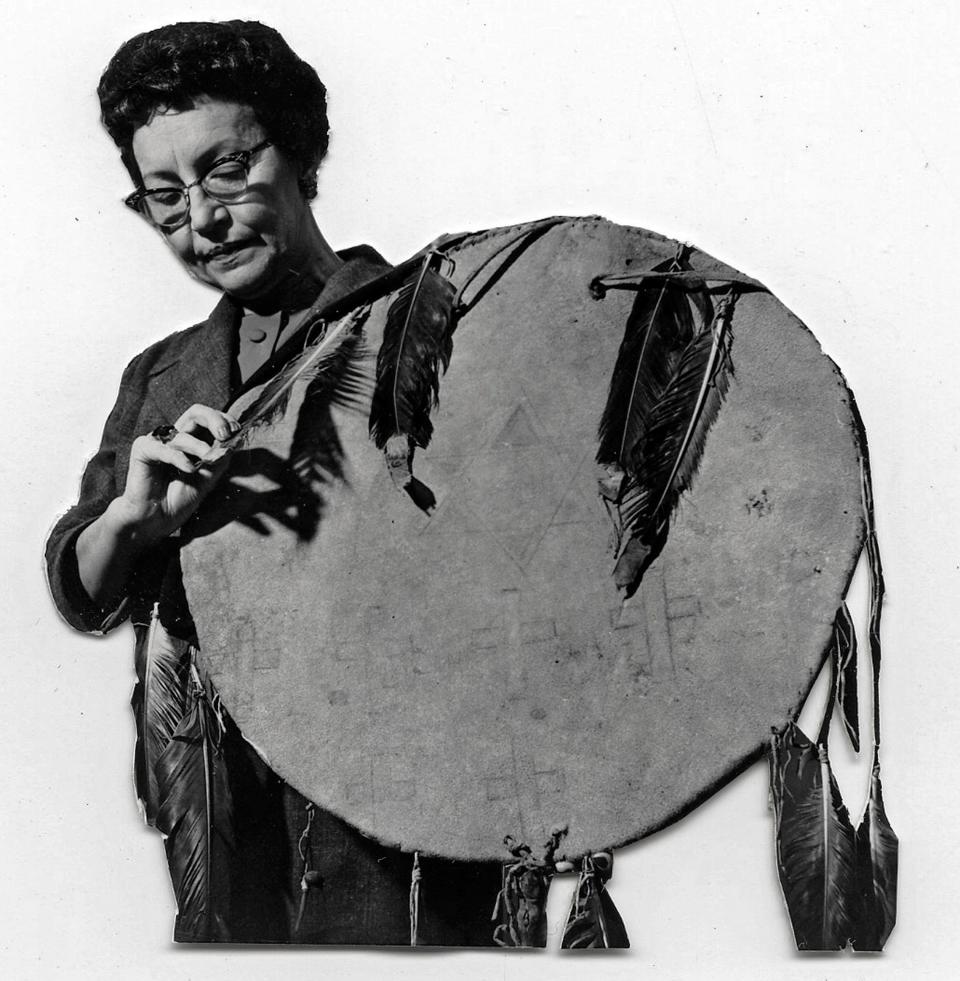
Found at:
<point>169,206</point>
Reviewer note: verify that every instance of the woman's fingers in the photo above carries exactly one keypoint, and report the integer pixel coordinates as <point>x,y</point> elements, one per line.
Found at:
<point>190,444</point>
<point>149,449</point>
<point>220,425</point>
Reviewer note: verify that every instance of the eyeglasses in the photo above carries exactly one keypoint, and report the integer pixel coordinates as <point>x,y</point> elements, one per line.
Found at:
<point>226,181</point>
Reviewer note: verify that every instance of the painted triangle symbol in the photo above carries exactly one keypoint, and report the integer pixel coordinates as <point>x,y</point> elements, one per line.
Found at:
<point>518,430</point>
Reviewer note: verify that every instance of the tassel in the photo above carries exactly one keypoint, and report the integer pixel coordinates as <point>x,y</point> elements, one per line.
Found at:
<point>839,884</point>
<point>877,844</point>
<point>196,818</point>
<point>162,664</point>
<point>593,920</point>
<point>521,905</point>
<point>520,909</point>
<point>309,878</point>
<point>415,877</point>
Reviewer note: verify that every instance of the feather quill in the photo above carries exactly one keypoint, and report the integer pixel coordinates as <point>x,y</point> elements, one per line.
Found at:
<point>816,857</point>
<point>417,345</point>
<point>196,818</point>
<point>162,664</point>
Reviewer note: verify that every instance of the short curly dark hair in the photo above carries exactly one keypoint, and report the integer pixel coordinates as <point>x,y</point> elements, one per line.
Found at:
<point>236,60</point>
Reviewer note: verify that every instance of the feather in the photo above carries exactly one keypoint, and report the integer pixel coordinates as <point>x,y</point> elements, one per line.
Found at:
<point>593,920</point>
<point>877,860</point>
<point>162,666</point>
<point>816,856</point>
<point>844,650</point>
<point>330,365</point>
<point>658,328</point>
<point>417,345</point>
<point>669,453</point>
<point>196,818</point>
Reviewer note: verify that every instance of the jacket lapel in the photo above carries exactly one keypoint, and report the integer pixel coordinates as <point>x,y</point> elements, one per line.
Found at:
<point>201,368</point>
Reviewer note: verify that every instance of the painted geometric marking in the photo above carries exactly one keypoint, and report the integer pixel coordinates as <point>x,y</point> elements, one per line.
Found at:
<point>537,631</point>
<point>486,638</point>
<point>371,616</point>
<point>630,643</point>
<point>575,509</point>
<point>683,613</point>
<point>679,607</point>
<point>519,430</point>
<point>533,631</point>
<point>627,616</point>
<point>511,490</point>
<point>550,781</point>
<point>520,545</point>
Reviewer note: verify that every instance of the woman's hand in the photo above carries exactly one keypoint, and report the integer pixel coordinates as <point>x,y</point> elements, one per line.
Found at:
<point>167,479</point>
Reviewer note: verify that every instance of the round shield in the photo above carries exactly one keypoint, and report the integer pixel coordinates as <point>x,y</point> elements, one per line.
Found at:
<point>444,677</point>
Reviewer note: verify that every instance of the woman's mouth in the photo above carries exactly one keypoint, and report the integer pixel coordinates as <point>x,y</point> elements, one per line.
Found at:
<point>226,249</point>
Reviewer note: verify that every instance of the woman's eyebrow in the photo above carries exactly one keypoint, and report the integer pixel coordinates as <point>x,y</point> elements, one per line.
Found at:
<point>165,177</point>
<point>206,158</point>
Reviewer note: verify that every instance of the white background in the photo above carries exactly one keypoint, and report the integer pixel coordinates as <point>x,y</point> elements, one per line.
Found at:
<point>814,146</point>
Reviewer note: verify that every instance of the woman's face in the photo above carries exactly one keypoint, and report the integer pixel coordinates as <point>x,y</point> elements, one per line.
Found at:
<point>246,248</point>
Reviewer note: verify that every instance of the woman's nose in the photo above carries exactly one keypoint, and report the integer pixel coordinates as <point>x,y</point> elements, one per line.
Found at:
<point>205,211</point>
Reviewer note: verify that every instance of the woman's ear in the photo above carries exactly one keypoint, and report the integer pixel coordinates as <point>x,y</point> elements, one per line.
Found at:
<point>308,180</point>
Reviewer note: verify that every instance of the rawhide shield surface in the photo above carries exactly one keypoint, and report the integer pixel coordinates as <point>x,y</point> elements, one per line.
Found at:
<point>443,680</point>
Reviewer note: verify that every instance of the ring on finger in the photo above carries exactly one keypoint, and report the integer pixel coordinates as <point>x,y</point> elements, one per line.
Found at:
<point>164,434</point>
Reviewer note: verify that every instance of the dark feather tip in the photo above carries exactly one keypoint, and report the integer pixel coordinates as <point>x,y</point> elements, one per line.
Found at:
<point>636,558</point>
<point>421,495</point>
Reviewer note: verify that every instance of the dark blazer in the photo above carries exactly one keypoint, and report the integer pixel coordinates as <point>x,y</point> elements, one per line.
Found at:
<point>364,894</point>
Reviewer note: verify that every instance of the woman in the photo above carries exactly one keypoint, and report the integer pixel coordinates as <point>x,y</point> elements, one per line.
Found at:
<point>222,128</point>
